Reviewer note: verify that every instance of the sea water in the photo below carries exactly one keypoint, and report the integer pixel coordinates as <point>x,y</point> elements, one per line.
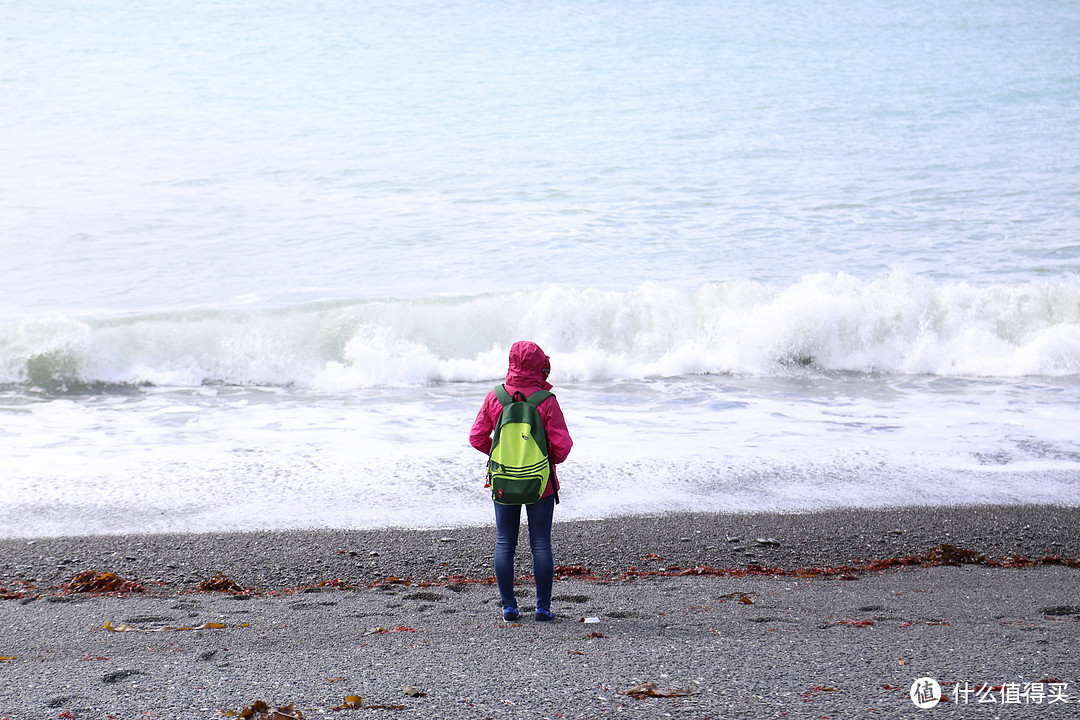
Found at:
<point>261,260</point>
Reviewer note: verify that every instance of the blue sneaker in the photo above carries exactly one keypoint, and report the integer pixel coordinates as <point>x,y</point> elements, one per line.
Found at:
<point>543,615</point>
<point>510,614</point>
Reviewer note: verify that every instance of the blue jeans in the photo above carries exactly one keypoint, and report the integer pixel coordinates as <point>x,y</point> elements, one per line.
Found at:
<point>507,524</point>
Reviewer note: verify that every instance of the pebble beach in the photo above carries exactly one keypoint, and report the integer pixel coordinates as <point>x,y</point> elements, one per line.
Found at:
<point>703,615</point>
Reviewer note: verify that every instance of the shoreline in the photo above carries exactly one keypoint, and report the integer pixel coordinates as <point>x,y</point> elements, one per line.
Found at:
<point>413,610</point>
<point>606,547</point>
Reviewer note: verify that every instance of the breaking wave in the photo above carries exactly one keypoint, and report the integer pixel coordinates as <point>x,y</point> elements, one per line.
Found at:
<point>894,324</point>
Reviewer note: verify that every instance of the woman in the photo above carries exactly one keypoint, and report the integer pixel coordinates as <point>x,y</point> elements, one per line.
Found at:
<point>527,373</point>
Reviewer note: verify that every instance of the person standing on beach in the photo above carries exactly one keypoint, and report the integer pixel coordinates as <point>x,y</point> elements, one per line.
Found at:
<point>527,373</point>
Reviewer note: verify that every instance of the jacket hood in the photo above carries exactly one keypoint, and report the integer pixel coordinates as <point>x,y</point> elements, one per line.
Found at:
<point>526,366</point>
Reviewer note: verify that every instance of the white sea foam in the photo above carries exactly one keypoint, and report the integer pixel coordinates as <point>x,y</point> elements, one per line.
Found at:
<point>226,457</point>
<point>267,490</point>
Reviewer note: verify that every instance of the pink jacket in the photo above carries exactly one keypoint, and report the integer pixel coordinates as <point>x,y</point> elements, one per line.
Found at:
<point>526,373</point>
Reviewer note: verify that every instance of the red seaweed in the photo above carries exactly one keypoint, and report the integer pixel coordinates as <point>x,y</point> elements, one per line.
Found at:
<point>940,555</point>
<point>89,581</point>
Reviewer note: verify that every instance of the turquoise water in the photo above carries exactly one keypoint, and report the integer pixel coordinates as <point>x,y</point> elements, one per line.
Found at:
<point>245,246</point>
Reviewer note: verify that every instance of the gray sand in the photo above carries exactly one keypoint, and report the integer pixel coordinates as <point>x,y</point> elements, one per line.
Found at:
<point>753,646</point>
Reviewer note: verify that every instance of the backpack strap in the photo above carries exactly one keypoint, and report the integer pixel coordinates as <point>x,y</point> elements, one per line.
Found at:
<point>535,399</point>
<point>538,397</point>
<point>504,397</point>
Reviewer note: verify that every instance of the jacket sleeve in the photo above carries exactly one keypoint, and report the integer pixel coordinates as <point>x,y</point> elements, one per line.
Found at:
<point>480,435</point>
<point>558,436</point>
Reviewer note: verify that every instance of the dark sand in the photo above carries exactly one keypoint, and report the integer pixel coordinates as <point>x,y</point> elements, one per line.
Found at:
<point>845,644</point>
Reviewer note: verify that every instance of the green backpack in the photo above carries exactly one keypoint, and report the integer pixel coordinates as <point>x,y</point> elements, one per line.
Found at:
<point>518,465</point>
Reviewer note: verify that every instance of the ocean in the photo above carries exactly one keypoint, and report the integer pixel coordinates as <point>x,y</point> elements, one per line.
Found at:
<point>262,259</point>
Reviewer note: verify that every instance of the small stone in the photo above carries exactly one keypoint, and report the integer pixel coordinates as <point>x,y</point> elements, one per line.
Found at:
<point>119,675</point>
<point>768,541</point>
<point>413,692</point>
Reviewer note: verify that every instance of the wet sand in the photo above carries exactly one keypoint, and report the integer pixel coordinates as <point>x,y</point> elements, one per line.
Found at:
<point>748,615</point>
